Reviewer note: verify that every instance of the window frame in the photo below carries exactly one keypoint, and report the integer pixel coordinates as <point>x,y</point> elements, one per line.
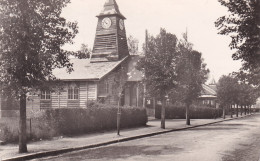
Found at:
<point>107,87</point>
<point>46,95</point>
<point>73,92</point>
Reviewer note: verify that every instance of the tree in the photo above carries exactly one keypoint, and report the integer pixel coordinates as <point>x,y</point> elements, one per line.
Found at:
<point>132,45</point>
<point>253,96</point>
<point>32,33</point>
<point>192,74</point>
<point>84,52</point>
<point>237,100</point>
<point>243,26</point>
<point>120,83</point>
<point>248,95</point>
<point>227,91</point>
<point>159,66</point>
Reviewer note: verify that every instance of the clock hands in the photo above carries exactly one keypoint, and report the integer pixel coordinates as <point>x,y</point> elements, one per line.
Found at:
<point>106,23</point>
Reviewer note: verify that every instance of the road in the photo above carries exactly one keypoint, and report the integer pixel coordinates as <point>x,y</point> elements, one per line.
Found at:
<point>236,140</point>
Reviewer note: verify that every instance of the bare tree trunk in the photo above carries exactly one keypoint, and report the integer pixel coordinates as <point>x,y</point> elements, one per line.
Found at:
<point>187,114</point>
<point>237,111</point>
<point>241,110</point>
<point>224,113</point>
<point>231,111</point>
<point>154,106</point>
<point>163,114</point>
<point>245,110</point>
<point>22,125</point>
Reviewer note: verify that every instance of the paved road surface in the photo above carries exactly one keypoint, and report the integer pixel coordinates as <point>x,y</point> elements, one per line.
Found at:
<point>236,140</point>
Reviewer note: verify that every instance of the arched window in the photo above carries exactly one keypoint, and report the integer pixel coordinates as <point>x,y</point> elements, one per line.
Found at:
<point>73,92</point>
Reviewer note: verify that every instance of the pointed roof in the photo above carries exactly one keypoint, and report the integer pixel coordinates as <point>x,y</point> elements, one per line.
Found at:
<point>213,82</point>
<point>111,8</point>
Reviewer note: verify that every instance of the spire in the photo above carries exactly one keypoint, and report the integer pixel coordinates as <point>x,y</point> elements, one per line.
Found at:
<point>213,82</point>
<point>111,8</point>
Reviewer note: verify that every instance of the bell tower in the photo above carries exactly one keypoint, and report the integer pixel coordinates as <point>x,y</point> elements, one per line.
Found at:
<point>110,41</point>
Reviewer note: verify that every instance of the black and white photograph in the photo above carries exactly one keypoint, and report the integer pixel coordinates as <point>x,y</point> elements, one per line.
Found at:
<point>130,80</point>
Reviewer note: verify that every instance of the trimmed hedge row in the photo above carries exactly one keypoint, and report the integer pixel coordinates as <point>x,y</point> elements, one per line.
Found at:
<point>65,122</point>
<point>256,110</point>
<point>195,112</point>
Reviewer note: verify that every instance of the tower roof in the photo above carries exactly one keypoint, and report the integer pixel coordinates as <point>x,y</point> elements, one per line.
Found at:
<point>213,82</point>
<point>111,8</point>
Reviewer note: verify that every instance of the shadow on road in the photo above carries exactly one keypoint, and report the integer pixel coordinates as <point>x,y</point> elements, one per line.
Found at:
<point>119,152</point>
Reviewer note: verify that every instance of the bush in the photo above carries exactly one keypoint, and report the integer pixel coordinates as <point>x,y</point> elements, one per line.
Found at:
<point>59,122</point>
<point>79,121</point>
<point>9,129</point>
<point>178,112</point>
<point>256,110</point>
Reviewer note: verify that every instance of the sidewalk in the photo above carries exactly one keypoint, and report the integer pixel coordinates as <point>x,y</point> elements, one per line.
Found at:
<point>68,144</point>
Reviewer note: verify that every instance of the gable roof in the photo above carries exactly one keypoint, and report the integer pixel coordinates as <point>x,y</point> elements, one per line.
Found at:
<point>84,70</point>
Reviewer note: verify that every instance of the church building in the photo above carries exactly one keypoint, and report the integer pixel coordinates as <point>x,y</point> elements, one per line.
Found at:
<point>109,71</point>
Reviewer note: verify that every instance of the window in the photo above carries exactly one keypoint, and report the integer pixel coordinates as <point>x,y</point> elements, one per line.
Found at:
<point>45,95</point>
<point>107,87</point>
<point>73,93</point>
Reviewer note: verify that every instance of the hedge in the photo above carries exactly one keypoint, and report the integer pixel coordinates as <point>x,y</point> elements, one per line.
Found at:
<point>256,109</point>
<point>66,122</point>
<point>179,112</point>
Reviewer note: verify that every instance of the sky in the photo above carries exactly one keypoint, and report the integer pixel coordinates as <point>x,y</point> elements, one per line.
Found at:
<point>197,16</point>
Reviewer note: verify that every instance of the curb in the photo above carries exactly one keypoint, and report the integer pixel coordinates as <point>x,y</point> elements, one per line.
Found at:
<point>66,150</point>
<point>2,143</point>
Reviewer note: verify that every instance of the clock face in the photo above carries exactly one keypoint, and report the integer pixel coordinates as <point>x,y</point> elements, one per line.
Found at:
<point>121,24</point>
<point>106,23</point>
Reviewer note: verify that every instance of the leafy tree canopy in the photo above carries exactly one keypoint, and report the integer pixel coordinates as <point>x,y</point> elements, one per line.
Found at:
<point>159,64</point>
<point>228,90</point>
<point>32,34</point>
<point>247,94</point>
<point>84,52</point>
<point>232,91</point>
<point>243,26</point>
<point>132,45</point>
<point>192,72</point>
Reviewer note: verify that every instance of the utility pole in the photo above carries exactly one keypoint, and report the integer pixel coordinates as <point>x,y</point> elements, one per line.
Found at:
<point>146,40</point>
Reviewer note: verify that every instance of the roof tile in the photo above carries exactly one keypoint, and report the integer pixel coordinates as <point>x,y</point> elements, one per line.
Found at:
<point>84,70</point>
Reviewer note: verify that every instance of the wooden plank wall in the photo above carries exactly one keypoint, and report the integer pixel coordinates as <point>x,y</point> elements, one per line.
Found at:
<point>87,91</point>
<point>59,99</point>
<point>55,97</point>
<point>83,94</point>
<point>91,91</point>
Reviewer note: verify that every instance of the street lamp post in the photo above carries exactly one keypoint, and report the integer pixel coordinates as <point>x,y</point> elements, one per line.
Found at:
<point>118,116</point>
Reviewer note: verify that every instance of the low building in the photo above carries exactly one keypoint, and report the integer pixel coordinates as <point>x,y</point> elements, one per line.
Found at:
<point>209,95</point>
